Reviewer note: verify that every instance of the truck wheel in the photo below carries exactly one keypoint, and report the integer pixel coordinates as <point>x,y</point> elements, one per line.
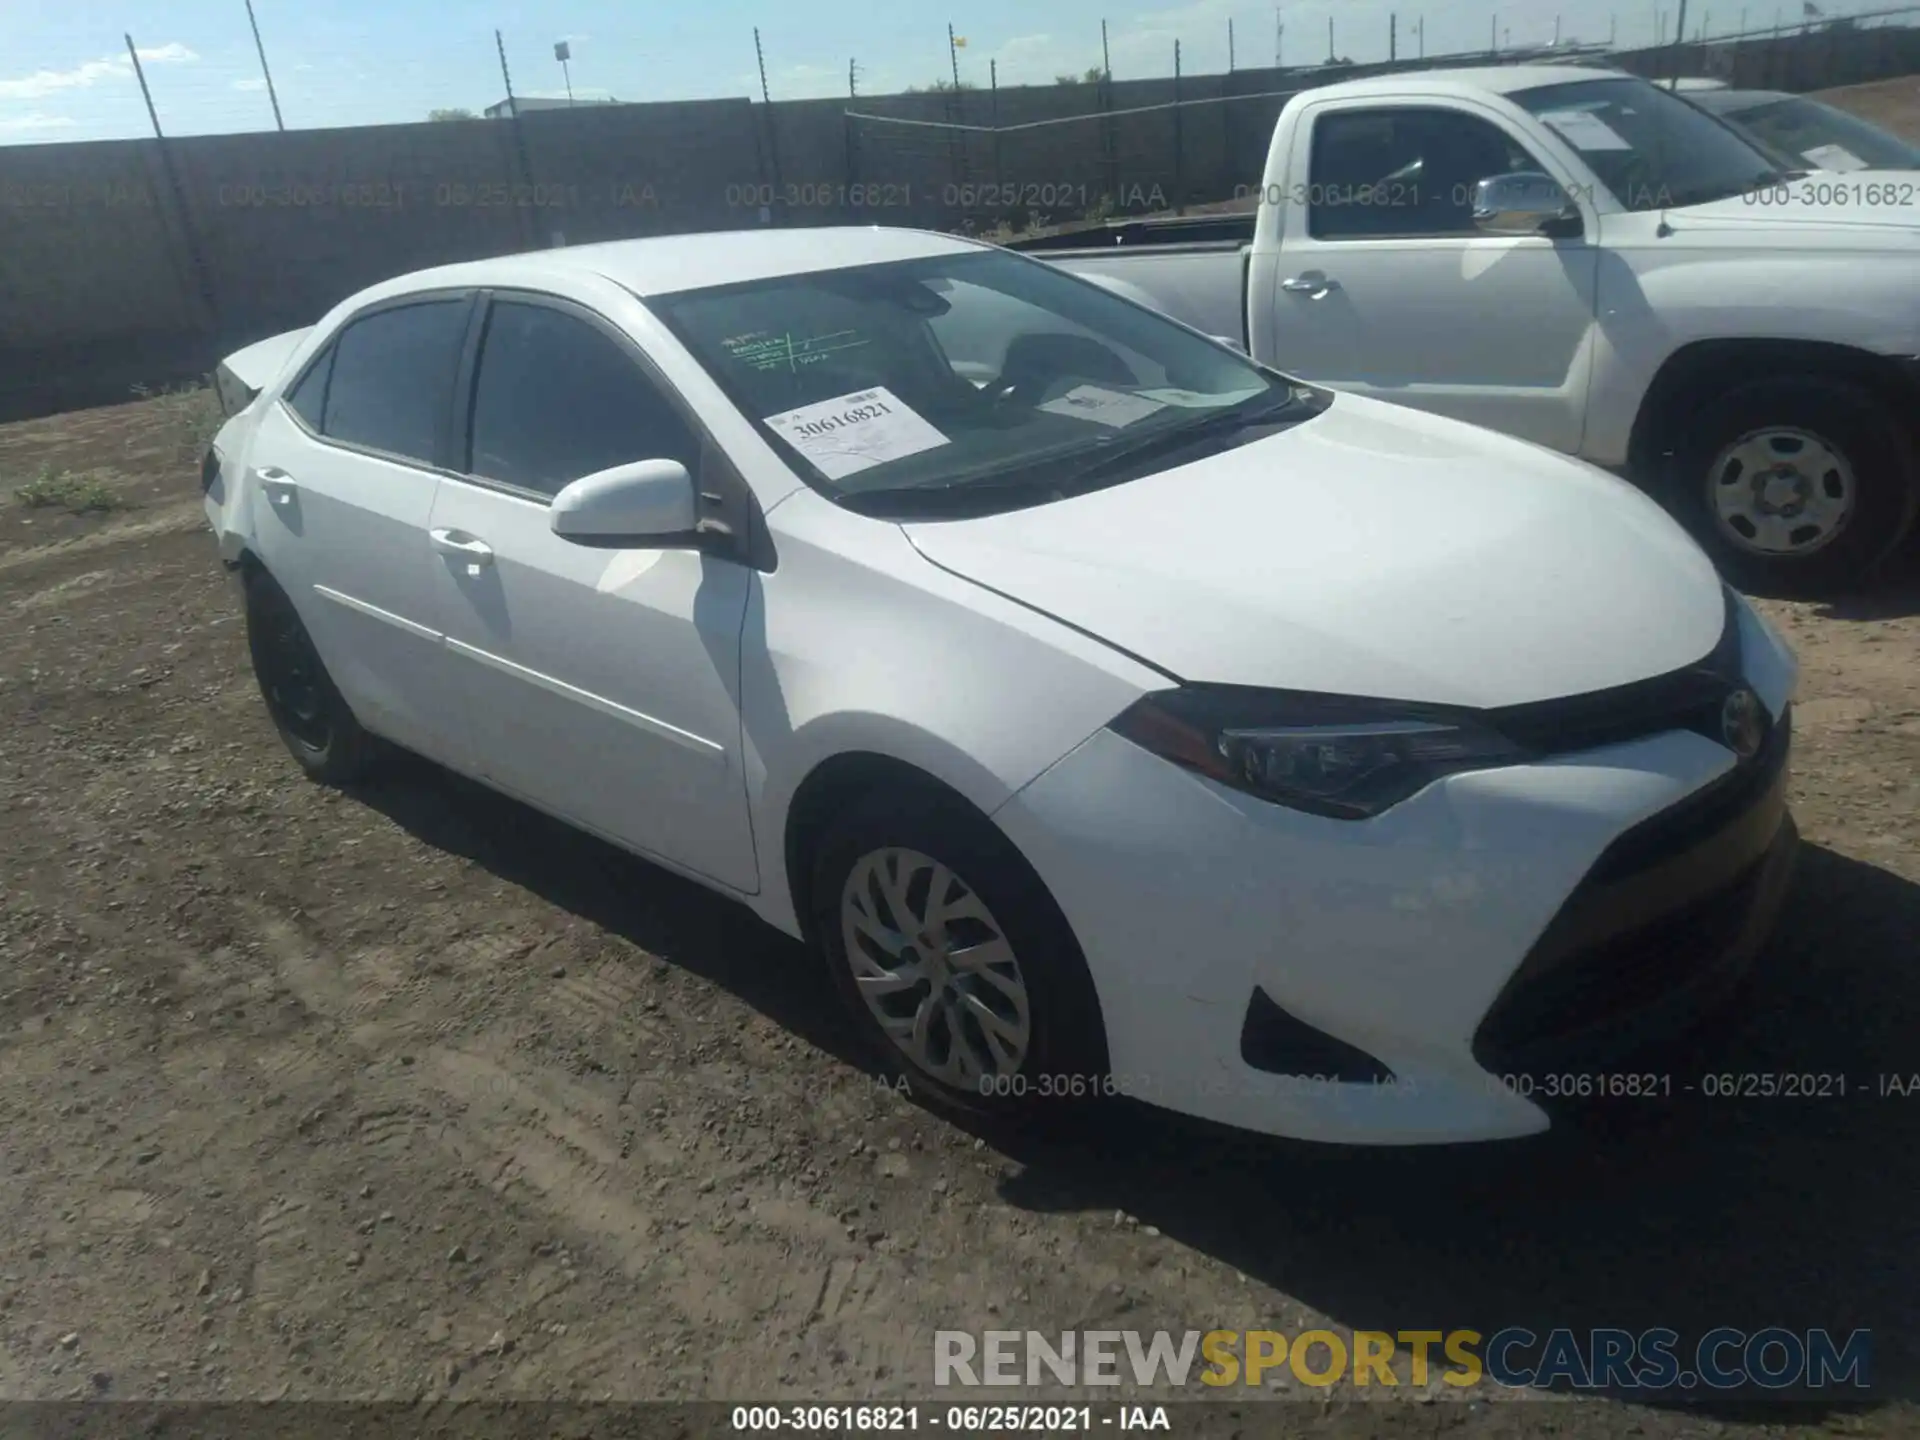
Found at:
<point>1801,482</point>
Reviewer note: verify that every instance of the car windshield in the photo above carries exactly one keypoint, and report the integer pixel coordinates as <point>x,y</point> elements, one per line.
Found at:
<point>1651,149</point>
<point>970,382</point>
<point>1823,137</point>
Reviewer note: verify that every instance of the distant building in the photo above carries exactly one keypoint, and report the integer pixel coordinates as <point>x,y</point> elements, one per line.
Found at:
<point>525,103</point>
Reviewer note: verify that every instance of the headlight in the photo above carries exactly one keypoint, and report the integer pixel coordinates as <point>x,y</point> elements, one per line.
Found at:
<point>1342,758</point>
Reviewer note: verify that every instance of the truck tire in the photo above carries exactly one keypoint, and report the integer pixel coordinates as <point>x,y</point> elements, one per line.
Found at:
<point>1794,482</point>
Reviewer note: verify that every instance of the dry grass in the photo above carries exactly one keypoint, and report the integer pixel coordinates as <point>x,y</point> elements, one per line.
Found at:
<point>82,492</point>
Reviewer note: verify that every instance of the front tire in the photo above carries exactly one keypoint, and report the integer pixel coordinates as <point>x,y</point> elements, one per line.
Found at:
<point>312,717</point>
<point>954,962</point>
<point>1795,482</point>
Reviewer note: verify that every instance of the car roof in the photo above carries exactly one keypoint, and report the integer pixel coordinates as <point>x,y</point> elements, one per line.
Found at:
<point>1473,79</point>
<point>663,264</point>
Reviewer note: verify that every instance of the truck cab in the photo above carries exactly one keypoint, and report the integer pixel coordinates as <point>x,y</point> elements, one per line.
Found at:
<point>1583,259</point>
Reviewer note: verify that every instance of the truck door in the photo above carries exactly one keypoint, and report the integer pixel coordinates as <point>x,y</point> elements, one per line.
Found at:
<point>1383,286</point>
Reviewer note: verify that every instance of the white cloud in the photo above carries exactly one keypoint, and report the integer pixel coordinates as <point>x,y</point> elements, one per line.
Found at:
<point>256,83</point>
<point>43,83</point>
<point>27,124</point>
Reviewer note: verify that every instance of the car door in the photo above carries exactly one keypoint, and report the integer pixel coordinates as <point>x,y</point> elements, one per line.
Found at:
<point>344,469</point>
<point>600,684</point>
<point>1386,288</point>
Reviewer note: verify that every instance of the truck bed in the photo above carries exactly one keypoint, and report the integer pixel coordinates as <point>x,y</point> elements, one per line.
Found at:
<point>1202,231</point>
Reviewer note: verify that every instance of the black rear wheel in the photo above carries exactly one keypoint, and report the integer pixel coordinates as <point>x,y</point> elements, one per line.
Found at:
<point>314,720</point>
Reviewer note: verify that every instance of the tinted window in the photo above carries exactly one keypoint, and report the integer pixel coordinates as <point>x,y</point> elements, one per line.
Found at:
<point>556,399</point>
<point>1381,173</point>
<point>308,399</point>
<point>393,378</point>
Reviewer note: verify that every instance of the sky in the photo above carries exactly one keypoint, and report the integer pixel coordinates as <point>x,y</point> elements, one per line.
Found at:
<point>65,73</point>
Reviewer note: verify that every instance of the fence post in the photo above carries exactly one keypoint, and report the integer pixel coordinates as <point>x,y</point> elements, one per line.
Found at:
<point>1109,139</point>
<point>527,233</point>
<point>777,209</point>
<point>189,237</point>
<point>993,119</point>
<point>852,160</point>
<point>1179,160</point>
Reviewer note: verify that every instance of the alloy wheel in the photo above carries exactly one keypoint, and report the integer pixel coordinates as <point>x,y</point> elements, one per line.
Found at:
<point>935,968</point>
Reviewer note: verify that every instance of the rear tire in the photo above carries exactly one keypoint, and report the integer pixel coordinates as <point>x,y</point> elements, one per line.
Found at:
<point>313,718</point>
<point>954,962</point>
<point>1795,483</point>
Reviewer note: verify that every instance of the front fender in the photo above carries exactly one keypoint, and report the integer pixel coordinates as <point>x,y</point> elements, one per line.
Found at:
<point>889,655</point>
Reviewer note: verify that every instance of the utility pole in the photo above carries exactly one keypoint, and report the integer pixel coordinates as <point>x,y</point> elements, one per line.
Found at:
<point>1106,60</point>
<point>1229,44</point>
<point>953,58</point>
<point>853,88</point>
<point>1330,50</point>
<point>261,51</point>
<point>564,53</point>
<point>1393,37</point>
<point>1556,32</point>
<point>1679,36</point>
<point>1493,33</point>
<point>1420,30</point>
<point>1279,38</point>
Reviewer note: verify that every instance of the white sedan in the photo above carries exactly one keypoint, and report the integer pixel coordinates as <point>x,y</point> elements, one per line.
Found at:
<point>1115,714</point>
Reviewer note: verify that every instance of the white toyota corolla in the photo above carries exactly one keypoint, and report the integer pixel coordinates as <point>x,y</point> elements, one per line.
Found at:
<point>1113,713</point>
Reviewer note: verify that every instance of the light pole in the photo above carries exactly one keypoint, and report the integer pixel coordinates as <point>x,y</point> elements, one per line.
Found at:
<point>563,53</point>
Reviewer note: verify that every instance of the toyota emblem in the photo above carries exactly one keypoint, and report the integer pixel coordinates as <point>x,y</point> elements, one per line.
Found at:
<point>1743,723</point>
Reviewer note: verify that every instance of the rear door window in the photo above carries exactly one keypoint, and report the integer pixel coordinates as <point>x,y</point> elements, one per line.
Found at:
<point>391,386</point>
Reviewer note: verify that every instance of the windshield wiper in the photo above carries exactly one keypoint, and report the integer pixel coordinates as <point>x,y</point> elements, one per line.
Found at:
<point>1116,455</point>
<point>1046,482</point>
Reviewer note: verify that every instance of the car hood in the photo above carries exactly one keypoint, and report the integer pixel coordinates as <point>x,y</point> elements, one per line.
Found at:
<point>1373,551</point>
<point>1875,199</point>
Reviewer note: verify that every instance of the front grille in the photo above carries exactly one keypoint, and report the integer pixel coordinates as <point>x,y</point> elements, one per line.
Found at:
<point>1655,917</point>
<point>1685,699</point>
<point>1707,812</point>
<point>1592,989</point>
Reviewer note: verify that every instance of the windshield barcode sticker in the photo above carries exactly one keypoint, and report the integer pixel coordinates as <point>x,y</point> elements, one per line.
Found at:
<point>850,433</point>
<point>1102,406</point>
<point>1585,130</point>
<point>1833,157</point>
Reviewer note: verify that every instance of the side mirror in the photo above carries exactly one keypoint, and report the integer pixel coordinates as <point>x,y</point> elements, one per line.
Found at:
<point>1525,202</point>
<point>650,502</point>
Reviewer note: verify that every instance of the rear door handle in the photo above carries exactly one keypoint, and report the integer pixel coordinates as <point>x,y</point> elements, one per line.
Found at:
<point>474,551</point>
<point>1315,283</point>
<point>280,486</point>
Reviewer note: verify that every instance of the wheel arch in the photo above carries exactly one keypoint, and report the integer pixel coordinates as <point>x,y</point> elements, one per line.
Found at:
<point>835,782</point>
<point>1694,372</point>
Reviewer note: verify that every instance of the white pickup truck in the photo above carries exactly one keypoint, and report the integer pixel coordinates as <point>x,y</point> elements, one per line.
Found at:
<point>1582,259</point>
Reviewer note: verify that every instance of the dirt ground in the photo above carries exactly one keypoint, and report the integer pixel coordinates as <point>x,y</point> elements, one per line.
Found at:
<point>411,1094</point>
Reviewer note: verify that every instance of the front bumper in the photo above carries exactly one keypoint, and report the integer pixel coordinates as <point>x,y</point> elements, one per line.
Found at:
<point>1551,914</point>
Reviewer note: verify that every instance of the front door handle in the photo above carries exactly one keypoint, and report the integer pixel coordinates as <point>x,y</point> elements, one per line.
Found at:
<point>474,551</point>
<point>1315,283</point>
<point>279,486</point>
